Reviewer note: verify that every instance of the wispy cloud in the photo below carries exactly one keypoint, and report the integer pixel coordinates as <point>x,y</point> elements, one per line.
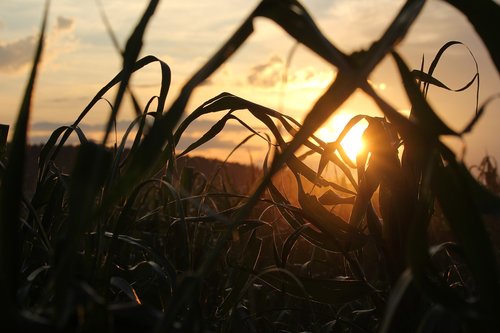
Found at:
<point>68,99</point>
<point>64,23</point>
<point>267,74</point>
<point>17,55</point>
<point>270,74</point>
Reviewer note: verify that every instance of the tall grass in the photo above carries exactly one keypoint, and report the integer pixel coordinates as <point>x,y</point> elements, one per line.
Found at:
<point>131,242</point>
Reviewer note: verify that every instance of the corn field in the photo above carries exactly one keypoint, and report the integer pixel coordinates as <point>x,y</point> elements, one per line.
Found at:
<point>130,241</point>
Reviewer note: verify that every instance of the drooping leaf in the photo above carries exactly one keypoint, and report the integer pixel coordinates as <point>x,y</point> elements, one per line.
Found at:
<point>214,131</point>
<point>241,274</point>
<point>424,77</point>
<point>426,118</point>
<point>367,186</point>
<point>331,291</point>
<point>289,243</point>
<point>479,113</point>
<point>332,225</point>
<point>455,195</point>
<point>126,288</point>
<point>296,221</point>
<point>332,198</point>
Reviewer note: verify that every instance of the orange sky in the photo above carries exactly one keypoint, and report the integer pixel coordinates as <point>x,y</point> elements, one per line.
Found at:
<point>80,59</point>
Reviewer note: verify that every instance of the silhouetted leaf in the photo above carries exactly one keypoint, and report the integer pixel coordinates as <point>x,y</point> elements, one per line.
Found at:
<point>332,198</point>
<point>241,273</point>
<point>485,17</point>
<point>331,291</point>
<point>11,193</point>
<point>348,237</point>
<point>126,288</point>
<point>423,113</point>
<point>456,199</point>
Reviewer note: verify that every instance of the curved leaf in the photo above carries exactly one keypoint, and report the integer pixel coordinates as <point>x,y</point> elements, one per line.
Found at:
<point>328,291</point>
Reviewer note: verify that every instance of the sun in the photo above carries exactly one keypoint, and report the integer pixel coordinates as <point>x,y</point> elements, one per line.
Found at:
<point>352,143</point>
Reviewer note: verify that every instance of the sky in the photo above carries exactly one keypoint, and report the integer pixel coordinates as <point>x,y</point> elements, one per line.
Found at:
<point>79,59</point>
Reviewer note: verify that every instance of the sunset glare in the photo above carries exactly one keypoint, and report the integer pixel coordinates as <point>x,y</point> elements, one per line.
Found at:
<point>250,166</point>
<point>271,69</point>
<point>352,142</point>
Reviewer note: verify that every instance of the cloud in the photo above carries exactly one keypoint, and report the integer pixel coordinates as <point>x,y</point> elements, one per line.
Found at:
<point>61,39</point>
<point>68,99</point>
<point>310,77</point>
<point>16,55</point>
<point>268,74</point>
<point>145,85</point>
<point>64,23</point>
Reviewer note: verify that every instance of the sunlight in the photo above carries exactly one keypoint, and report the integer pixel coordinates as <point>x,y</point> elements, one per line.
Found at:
<point>352,142</point>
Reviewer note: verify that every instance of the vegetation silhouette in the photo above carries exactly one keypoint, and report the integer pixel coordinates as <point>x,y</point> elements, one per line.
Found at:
<point>135,241</point>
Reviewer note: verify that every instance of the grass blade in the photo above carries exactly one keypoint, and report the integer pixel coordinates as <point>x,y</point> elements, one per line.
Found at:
<point>130,55</point>
<point>454,195</point>
<point>11,193</point>
<point>328,291</point>
<point>422,111</point>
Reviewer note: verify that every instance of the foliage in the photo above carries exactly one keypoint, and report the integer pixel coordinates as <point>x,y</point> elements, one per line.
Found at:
<point>130,241</point>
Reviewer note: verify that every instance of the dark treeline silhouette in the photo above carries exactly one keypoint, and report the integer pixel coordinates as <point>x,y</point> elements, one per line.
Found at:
<point>241,176</point>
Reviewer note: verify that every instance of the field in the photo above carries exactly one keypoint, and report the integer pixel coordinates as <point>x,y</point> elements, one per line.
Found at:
<point>143,238</point>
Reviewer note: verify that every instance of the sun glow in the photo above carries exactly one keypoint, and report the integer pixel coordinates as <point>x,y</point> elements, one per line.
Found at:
<point>352,142</point>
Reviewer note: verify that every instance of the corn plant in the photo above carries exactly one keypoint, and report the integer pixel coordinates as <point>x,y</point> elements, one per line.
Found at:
<point>131,241</point>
